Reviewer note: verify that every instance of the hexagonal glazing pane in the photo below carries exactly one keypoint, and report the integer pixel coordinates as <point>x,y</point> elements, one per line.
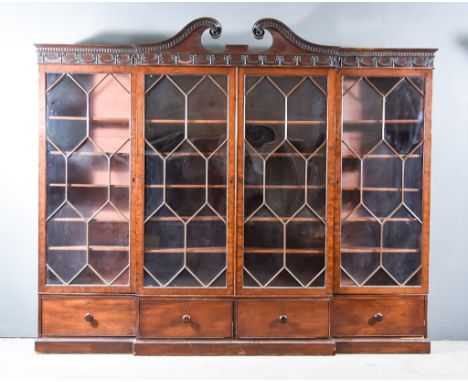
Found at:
<point>264,116</point>
<point>362,117</point>
<point>67,108</point>
<point>186,155</point>
<point>381,180</point>
<point>109,110</point>
<point>88,156</point>
<point>207,119</point>
<point>285,182</point>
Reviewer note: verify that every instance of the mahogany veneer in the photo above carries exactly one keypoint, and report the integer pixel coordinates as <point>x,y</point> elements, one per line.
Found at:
<point>233,203</point>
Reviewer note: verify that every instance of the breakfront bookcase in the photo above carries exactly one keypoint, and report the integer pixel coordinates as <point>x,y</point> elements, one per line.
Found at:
<point>198,202</point>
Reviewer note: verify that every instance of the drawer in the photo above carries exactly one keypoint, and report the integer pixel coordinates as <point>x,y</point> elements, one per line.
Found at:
<point>176,319</point>
<point>88,316</point>
<point>366,316</point>
<point>282,319</point>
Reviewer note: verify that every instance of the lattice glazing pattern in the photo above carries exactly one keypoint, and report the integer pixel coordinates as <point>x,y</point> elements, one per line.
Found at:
<point>381,180</point>
<point>186,148</point>
<point>88,159</point>
<point>285,182</point>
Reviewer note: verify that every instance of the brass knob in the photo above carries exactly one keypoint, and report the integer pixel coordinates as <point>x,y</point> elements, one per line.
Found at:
<point>186,318</point>
<point>89,317</point>
<point>283,318</point>
<point>378,316</point>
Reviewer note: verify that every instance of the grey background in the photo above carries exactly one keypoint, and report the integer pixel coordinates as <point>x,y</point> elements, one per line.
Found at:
<point>443,26</point>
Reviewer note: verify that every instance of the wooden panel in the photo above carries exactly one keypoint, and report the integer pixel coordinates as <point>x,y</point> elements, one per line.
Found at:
<point>282,319</point>
<point>207,319</point>
<point>234,347</point>
<point>383,346</point>
<point>81,345</point>
<point>367,316</point>
<point>70,316</point>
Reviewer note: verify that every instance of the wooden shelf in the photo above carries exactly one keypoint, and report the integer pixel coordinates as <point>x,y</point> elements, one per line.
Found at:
<point>80,185</point>
<point>376,121</point>
<point>188,250</point>
<point>189,121</point>
<point>365,219</point>
<point>381,156</point>
<point>55,152</point>
<point>283,122</point>
<point>280,250</point>
<point>194,154</point>
<point>185,186</point>
<point>284,218</point>
<point>96,219</point>
<point>307,155</point>
<point>91,247</point>
<point>381,189</point>
<point>377,249</point>
<point>284,187</point>
<point>96,119</point>
<point>185,218</point>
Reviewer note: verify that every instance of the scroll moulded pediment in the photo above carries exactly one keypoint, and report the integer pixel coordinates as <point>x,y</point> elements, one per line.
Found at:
<point>186,48</point>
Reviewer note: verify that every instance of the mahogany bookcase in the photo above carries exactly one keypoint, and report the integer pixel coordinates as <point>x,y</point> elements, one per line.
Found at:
<point>198,202</point>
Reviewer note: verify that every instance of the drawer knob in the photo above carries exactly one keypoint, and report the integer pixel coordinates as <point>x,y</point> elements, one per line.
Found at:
<point>283,318</point>
<point>378,316</point>
<point>89,317</point>
<point>186,318</point>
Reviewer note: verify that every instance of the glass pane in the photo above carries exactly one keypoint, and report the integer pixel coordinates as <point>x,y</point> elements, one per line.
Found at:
<point>109,109</point>
<point>264,116</point>
<point>382,181</point>
<point>382,146</point>
<point>88,179</point>
<point>56,178</point>
<point>262,267</point>
<point>163,266</point>
<point>362,117</point>
<point>284,182</point>
<point>88,170</point>
<point>66,113</point>
<point>263,230</point>
<point>360,265</point>
<point>206,266</point>
<point>307,117</point>
<point>186,181</point>
<point>404,117</point>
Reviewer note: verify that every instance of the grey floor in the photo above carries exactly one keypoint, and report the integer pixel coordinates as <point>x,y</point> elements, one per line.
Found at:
<point>449,360</point>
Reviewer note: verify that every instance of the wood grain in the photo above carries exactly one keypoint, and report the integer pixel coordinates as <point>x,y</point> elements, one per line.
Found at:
<point>84,345</point>
<point>234,347</point>
<point>66,316</point>
<point>383,346</point>
<point>260,319</point>
<point>402,316</point>
<point>207,319</point>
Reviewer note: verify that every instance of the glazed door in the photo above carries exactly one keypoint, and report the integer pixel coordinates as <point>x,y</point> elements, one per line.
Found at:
<point>284,228</point>
<point>188,170</point>
<point>384,140</point>
<point>85,208</point>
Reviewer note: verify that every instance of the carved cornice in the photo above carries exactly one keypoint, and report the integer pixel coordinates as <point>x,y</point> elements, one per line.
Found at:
<point>185,48</point>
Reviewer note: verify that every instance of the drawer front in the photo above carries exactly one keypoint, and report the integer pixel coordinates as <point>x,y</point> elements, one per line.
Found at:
<point>88,317</point>
<point>403,316</point>
<point>204,319</point>
<point>282,319</point>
